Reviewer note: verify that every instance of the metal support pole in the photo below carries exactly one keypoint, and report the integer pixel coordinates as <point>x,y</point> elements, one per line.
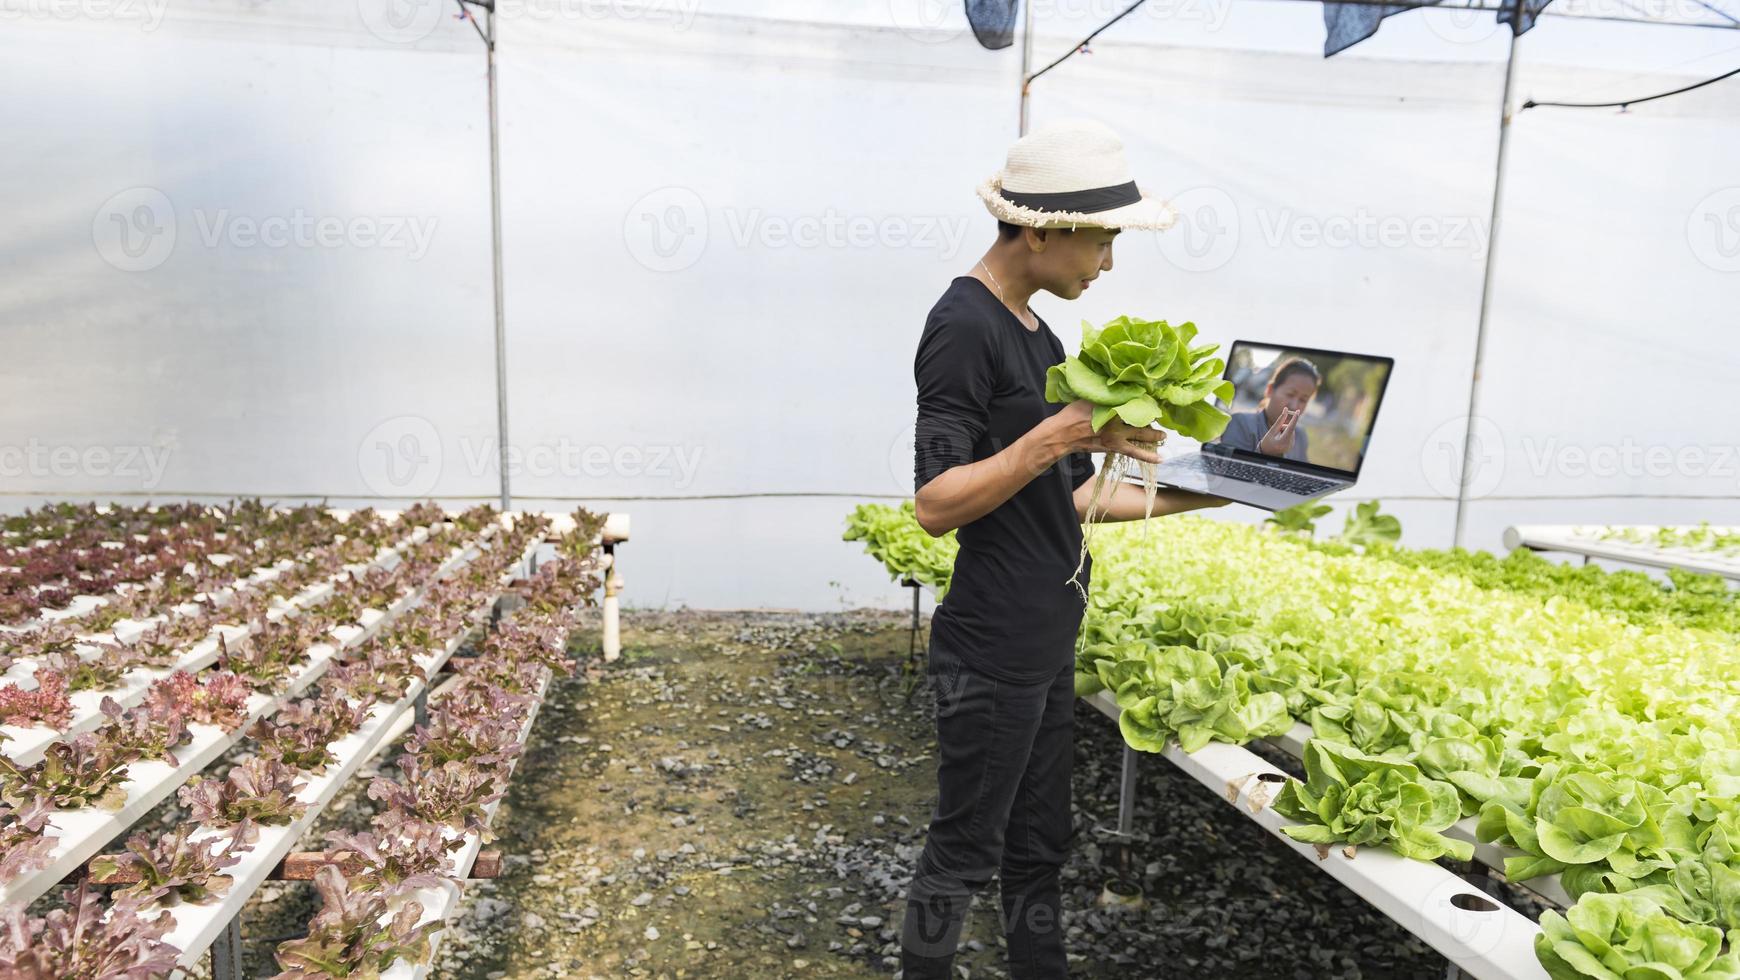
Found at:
<point>420,707</point>
<point>226,952</point>
<point>612,623</point>
<point>1466,478</point>
<point>1026,62</point>
<point>501,407</point>
<point>1127,792</point>
<point>912,638</point>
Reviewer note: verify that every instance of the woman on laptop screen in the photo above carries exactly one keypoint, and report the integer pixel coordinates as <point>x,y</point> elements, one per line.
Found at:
<point>1272,429</point>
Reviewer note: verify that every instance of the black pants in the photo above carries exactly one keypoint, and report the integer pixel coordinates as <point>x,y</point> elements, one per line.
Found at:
<point>1004,753</point>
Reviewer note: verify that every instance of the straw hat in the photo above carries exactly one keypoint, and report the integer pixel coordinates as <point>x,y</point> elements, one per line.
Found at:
<point>1069,174</point>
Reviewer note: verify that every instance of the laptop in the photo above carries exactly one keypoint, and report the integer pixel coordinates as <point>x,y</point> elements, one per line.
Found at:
<point>1301,423</point>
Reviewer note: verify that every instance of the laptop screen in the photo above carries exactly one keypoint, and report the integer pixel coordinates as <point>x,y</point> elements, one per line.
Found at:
<point>1333,396</point>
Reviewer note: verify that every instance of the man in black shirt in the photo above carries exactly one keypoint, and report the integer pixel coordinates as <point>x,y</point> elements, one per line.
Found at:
<point>1014,474</point>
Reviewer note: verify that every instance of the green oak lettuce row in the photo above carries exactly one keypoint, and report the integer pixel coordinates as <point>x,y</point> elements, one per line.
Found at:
<point>1687,599</point>
<point>1598,748</point>
<point>892,536</point>
<point>1701,537</point>
<point>1602,746</point>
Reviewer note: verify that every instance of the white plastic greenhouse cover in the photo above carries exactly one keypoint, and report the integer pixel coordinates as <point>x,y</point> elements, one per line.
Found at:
<point>247,251</point>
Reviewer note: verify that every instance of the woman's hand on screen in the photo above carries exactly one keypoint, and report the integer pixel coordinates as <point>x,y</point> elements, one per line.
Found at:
<point>1278,441</point>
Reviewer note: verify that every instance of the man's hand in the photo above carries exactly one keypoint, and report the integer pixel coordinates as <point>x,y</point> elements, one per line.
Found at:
<point>1278,441</point>
<point>1076,420</point>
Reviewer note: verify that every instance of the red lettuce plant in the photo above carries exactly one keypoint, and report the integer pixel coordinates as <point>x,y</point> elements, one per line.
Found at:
<point>222,699</point>
<point>264,667</point>
<point>358,682</point>
<point>256,792</point>
<point>164,644</point>
<point>474,703</point>
<point>453,794</point>
<point>86,941</point>
<point>25,844</point>
<point>481,741</point>
<point>100,671</point>
<point>172,869</point>
<point>86,770</point>
<point>347,937</point>
<point>301,733</point>
<point>401,853</point>
<point>531,641</point>
<point>521,678</point>
<point>46,704</point>
<point>153,731</point>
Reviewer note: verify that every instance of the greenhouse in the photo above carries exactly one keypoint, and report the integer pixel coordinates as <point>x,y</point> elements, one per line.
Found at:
<point>1174,489</point>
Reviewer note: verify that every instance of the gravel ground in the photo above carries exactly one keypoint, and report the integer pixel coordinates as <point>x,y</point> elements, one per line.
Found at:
<point>744,795</point>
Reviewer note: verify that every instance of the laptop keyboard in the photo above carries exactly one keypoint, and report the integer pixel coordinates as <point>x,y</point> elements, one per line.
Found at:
<point>1260,475</point>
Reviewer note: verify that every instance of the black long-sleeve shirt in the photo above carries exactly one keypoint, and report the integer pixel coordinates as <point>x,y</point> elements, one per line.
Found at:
<point>1011,611</point>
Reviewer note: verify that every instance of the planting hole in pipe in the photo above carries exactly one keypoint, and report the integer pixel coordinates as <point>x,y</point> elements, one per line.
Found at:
<point>1469,902</point>
<point>1271,777</point>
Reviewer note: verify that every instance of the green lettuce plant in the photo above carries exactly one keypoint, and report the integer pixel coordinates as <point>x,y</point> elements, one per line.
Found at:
<point>1630,937</point>
<point>1348,796</point>
<point>1145,371</point>
<point>893,537</point>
